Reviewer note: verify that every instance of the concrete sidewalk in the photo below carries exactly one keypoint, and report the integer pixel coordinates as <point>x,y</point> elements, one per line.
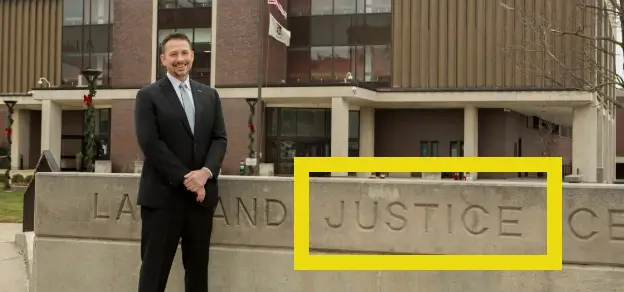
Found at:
<point>12,265</point>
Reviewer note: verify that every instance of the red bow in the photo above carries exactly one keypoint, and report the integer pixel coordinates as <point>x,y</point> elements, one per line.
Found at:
<point>8,131</point>
<point>251,126</point>
<point>87,99</point>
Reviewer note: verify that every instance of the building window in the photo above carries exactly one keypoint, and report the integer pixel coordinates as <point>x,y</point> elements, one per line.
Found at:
<point>323,64</point>
<point>336,45</point>
<point>345,6</point>
<point>299,65</point>
<point>429,149</point>
<point>374,6</point>
<point>433,148</point>
<point>331,7</point>
<point>86,40</point>
<point>201,41</point>
<point>457,149</point>
<point>321,7</point>
<point>172,4</point>
<point>298,8</point>
<point>199,17</point>
<point>102,132</point>
<point>87,12</point>
<point>293,132</point>
<point>194,19</point>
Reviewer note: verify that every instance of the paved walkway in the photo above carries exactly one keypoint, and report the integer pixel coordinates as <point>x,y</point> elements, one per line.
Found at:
<point>12,265</point>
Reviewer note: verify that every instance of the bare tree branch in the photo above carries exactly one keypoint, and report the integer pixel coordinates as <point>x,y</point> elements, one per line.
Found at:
<point>572,47</point>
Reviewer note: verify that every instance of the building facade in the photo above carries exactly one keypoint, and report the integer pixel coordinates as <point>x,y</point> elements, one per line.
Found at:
<point>360,78</point>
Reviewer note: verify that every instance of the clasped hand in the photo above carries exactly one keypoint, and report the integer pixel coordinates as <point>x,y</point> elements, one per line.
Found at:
<point>195,180</point>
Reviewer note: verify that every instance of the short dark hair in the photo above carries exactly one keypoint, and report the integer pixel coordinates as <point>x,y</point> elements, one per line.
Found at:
<point>174,36</point>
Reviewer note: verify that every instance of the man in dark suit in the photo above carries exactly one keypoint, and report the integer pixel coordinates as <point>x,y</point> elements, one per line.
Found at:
<point>180,129</point>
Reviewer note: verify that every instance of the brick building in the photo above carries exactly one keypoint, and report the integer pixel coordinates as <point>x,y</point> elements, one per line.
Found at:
<point>430,78</point>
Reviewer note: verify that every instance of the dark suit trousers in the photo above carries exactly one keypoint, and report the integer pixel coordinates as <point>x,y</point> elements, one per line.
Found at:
<point>162,229</point>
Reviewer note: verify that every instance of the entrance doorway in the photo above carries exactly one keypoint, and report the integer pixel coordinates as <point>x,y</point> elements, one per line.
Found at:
<point>303,132</point>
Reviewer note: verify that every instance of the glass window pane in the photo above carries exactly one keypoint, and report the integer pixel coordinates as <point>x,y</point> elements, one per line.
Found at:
<point>342,27</point>
<point>300,31</point>
<point>344,6</point>
<point>454,149</point>
<point>167,18</point>
<point>166,4</point>
<point>185,3</point>
<point>321,67</point>
<point>201,64</point>
<point>203,35</point>
<point>298,65</point>
<point>288,122</point>
<point>354,149</point>
<point>271,122</point>
<point>71,67</point>
<point>378,6</point>
<point>424,149</point>
<point>321,28</point>
<point>203,3</point>
<point>360,6</point>
<point>311,122</point>
<point>377,31</point>
<point>358,32</point>
<point>96,38</point>
<point>72,39</point>
<point>321,7</point>
<point>354,124</point>
<point>198,17</point>
<point>342,62</point>
<point>100,11</point>
<point>188,32</point>
<point>377,63</point>
<point>298,8</point>
<point>434,148</point>
<point>72,12</point>
<point>163,33</point>
<point>358,59</point>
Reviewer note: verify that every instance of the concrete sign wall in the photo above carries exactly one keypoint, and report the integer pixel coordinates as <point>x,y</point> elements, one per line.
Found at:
<point>87,229</point>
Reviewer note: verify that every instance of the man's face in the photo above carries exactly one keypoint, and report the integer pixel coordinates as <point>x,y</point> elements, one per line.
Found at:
<point>177,57</point>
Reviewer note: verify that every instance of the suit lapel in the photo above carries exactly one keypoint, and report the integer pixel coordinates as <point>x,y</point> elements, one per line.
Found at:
<point>199,100</point>
<point>167,90</point>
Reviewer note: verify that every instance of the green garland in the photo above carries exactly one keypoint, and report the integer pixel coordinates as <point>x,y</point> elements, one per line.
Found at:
<point>9,134</point>
<point>89,133</point>
<point>252,132</point>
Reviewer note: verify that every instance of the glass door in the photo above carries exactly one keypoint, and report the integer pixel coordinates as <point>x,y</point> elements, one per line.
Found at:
<point>314,149</point>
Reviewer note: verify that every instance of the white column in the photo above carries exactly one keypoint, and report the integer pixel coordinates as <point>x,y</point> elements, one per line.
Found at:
<point>339,130</point>
<point>21,138</point>
<point>613,142</point>
<point>15,137</point>
<point>367,135</point>
<point>608,158</point>
<point>612,147</point>
<point>471,134</point>
<point>585,142</point>
<point>51,122</point>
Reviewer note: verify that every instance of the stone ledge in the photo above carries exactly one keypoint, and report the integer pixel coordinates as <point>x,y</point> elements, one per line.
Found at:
<point>573,178</point>
<point>113,266</point>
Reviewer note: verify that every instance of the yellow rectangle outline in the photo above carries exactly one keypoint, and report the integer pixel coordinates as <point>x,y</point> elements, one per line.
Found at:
<point>552,260</point>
